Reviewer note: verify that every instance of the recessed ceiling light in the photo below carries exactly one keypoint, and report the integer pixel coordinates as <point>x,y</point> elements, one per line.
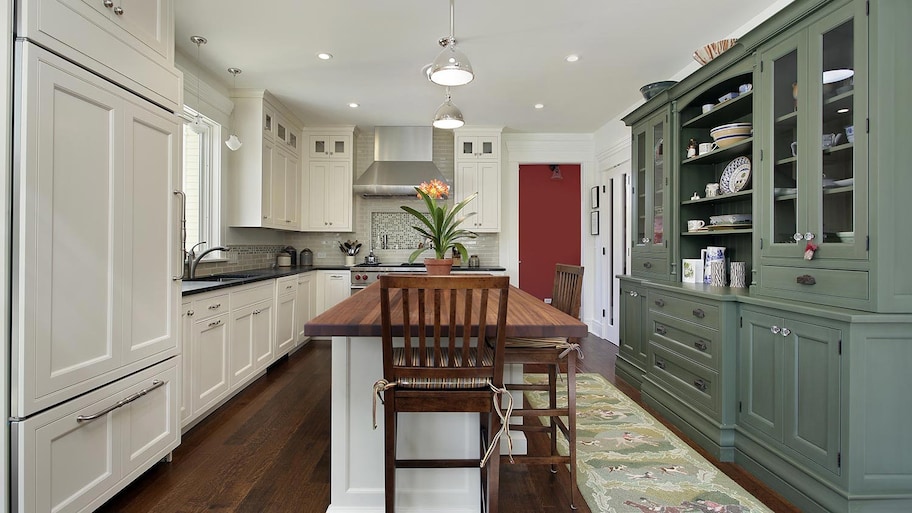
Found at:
<point>572,58</point>
<point>842,111</point>
<point>324,56</point>
<point>539,105</point>
<point>354,105</point>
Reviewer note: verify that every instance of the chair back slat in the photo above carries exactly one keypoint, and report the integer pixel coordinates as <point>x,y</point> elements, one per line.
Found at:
<point>451,315</point>
<point>568,287</point>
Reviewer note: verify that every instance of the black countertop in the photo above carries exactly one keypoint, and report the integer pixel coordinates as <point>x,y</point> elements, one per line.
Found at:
<point>233,279</point>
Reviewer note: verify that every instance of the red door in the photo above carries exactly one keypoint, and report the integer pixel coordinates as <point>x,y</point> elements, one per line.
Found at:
<point>549,224</point>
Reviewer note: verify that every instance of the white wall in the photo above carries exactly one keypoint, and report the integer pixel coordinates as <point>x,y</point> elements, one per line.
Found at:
<point>6,16</point>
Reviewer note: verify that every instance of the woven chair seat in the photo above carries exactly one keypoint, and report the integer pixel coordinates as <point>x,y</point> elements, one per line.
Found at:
<point>399,360</point>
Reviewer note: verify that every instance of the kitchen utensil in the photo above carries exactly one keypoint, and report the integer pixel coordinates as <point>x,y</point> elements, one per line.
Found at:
<point>695,224</point>
<point>711,254</point>
<point>650,90</point>
<point>736,174</point>
<point>706,148</point>
<point>307,257</point>
<point>283,261</point>
<point>473,261</point>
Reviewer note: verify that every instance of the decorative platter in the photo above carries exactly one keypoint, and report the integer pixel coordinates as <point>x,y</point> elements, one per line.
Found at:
<point>736,174</point>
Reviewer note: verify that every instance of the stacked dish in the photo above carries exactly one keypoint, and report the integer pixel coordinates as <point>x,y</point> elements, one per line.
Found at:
<point>713,50</point>
<point>731,134</point>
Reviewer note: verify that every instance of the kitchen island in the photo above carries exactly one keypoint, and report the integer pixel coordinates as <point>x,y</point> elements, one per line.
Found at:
<point>357,449</point>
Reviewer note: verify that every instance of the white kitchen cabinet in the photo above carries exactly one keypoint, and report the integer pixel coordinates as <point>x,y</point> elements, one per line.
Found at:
<point>186,335</point>
<point>327,184</point>
<point>333,287</point>
<point>207,357</point>
<point>131,42</point>
<point>76,456</point>
<point>330,147</point>
<point>478,147</point>
<point>304,307</point>
<point>252,330</point>
<point>286,314</point>
<point>264,179</point>
<point>95,219</point>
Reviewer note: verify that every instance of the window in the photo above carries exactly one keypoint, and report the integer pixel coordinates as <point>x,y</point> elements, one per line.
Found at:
<point>201,182</point>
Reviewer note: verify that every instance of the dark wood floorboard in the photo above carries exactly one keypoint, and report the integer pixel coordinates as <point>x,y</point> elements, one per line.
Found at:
<point>267,450</point>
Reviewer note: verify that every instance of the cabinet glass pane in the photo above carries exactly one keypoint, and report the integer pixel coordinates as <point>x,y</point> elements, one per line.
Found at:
<point>319,146</point>
<point>487,148</point>
<point>658,195</point>
<point>838,165</point>
<point>785,96</point>
<point>280,133</point>
<point>641,188</point>
<point>467,148</point>
<point>339,147</point>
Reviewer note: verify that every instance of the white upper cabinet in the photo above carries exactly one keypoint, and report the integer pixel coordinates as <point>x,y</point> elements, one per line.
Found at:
<point>95,225</point>
<point>335,147</point>
<point>478,171</point>
<point>478,147</point>
<point>327,185</point>
<point>130,42</point>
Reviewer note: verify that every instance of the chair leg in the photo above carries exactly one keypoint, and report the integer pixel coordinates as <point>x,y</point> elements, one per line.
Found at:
<point>485,438</point>
<point>552,403</point>
<point>571,423</point>
<point>493,472</point>
<point>389,426</point>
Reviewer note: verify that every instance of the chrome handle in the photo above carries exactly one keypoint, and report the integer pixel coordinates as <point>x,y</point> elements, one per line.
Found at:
<point>215,323</point>
<point>127,400</point>
<point>786,332</point>
<point>775,330</point>
<point>183,220</point>
<point>699,313</point>
<point>634,293</point>
<point>108,3</point>
<point>808,236</point>
<point>118,10</point>
<point>660,364</point>
<point>660,302</point>
<point>288,287</point>
<point>797,236</point>
<point>700,385</point>
<point>661,330</point>
<point>215,306</point>
<point>645,240</point>
<point>190,313</point>
<point>701,345</point>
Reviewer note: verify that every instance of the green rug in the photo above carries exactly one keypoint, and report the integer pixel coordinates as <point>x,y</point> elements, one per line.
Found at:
<point>627,461</point>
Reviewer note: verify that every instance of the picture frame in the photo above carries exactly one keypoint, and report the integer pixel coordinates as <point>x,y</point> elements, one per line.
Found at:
<point>594,222</point>
<point>594,198</point>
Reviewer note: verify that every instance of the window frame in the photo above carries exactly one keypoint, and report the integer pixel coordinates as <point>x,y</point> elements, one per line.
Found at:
<point>210,229</point>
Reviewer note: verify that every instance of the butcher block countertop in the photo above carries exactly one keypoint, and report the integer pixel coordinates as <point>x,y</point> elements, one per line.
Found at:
<point>527,316</point>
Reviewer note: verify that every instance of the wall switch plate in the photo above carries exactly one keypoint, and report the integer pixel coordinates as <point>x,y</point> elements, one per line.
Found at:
<point>547,300</point>
<point>321,254</point>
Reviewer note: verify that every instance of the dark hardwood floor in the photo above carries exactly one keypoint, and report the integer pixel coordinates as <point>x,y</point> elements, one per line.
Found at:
<point>267,450</point>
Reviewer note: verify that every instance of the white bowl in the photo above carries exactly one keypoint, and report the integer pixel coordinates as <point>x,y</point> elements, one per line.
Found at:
<point>730,140</point>
<point>713,50</point>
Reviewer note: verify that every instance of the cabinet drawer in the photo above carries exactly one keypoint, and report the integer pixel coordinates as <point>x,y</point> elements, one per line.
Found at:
<point>821,282</point>
<point>649,266</point>
<point>243,296</point>
<point>695,342</point>
<point>287,285</point>
<point>704,314</point>
<point>693,383</point>
<point>209,306</point>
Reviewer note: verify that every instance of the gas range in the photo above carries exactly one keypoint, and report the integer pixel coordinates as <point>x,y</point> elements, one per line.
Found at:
<point>363,275</point>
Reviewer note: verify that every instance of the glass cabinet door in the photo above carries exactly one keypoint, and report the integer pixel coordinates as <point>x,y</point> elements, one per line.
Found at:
<point>649,184</point>
<point>658,184</point>
<point>639,189</point>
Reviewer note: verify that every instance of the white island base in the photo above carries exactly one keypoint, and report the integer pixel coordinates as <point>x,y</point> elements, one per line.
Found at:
<point>357,449</point>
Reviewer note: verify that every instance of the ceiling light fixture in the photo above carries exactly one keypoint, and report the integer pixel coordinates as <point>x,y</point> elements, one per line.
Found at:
<point>451,67</point>
<point>323,56</point>
<point>572,58</point>
<point>448,116</point>
<point>233,143</point>
<point>539,106</point>
<point>842,110</point>
<point>198,41</point>
<point>354,105</point>
<point>556,172</point>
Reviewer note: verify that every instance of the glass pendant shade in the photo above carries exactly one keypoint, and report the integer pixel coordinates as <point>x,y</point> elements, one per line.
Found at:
<point>448,116</point>
<point>451,67</point>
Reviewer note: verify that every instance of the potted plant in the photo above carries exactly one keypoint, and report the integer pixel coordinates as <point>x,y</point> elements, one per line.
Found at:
<point>440,226</point>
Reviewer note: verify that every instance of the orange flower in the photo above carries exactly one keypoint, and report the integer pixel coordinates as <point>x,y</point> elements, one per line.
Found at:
<point>435,189</point>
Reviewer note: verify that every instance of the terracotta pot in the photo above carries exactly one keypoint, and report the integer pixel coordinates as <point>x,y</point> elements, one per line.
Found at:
<point>438,266</point>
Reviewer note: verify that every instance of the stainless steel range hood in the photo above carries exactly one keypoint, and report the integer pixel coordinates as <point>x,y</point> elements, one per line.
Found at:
<point>402,160</point>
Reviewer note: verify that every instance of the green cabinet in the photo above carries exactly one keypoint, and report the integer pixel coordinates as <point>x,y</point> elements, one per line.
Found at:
<point>813,95</point>
<point>789,384</point>
<point>631,360</point>
<point>651,194</point>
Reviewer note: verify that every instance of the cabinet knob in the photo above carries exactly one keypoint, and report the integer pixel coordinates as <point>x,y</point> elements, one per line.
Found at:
<point>701,345</point>
<point>808,236</point>
<point>645,240</point>
<point>634,293</point>
<point>190,313</point>
<point>699,313</point>
<point>108,3</point>
<point>647,265</point>
<point>660,363</point>
<point>798,236</point>
<point>660,302</point>
<point>786,332</point>
<point>661,330</point>
<point>118,10</point>
<point>775,330</point>
<point>700,385</point>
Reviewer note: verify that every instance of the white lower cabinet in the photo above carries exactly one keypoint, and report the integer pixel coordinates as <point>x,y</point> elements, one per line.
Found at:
<point>333,287</point>
<point>252,330</point>
<point>77,455</point>
<point>286,314</point>
<point>304,307</point>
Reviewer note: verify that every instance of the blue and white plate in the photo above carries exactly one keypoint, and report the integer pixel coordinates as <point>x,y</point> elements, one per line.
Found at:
<point>736,175</point>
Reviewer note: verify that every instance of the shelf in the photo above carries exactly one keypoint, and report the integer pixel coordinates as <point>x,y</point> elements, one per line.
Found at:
<point>840,99</point>
<point>721,155</point>
<point>787,160</point>
<point>723,112</point>
<point>791,118</point>
<point>717,232</point>
<point>725,198</point>
<point>838,148</point>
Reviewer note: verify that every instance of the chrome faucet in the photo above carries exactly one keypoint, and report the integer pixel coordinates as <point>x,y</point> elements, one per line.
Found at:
<point>195,260</point>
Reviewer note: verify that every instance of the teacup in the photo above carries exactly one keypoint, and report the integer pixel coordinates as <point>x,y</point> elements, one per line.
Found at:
<point>707,147</point>
<point>794,147</point>
<point>743,88</point>
<point>712,189</point>
<point>707,107</point>
<point>850,133</point>
<point>695,224</point>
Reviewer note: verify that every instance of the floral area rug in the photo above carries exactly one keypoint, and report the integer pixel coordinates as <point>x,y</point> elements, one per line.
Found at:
<point>627,461</point>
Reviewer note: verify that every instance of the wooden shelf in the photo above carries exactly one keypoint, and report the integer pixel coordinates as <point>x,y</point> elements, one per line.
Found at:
<point>717,232</point>
<point>723,112</point>
<point>725,198</point>
<point>722,154</point>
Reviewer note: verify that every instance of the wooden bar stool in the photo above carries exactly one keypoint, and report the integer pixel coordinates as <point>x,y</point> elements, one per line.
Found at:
<point>441,368</point>
<point>566,296</point>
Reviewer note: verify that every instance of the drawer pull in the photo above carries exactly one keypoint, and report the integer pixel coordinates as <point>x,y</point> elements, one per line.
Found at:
<point>700,385</point>
<point>215,323</point>
<point>127,400</point>
<point>215,306</point>
<point>118,10</point>
<point>660,363</point>
<point>701,345</point>
<point>805,279</point>
<point>108,3</point>
<point>660,302</point>
<point>775,330</point>
<point>661,330</point>
<point>647,265</point>
<point>699,313</point>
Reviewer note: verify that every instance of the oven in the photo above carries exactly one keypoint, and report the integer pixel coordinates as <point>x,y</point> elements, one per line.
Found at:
<point>363,275</point>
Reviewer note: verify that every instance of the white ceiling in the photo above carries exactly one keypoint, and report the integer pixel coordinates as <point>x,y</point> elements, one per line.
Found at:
<point>517,48</point>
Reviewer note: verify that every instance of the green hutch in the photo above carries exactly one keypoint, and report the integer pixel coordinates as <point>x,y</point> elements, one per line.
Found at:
<point>802,376</point>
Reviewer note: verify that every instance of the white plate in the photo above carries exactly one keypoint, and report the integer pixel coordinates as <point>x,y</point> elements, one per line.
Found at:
<point>736,174</point>
<point>835,75</point>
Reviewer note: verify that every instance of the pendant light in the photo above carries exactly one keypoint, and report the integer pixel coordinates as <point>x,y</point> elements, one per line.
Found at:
<point>198,41</point>
<point>451,67</point>
<point>233,143</point>
<point>448,116</point>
